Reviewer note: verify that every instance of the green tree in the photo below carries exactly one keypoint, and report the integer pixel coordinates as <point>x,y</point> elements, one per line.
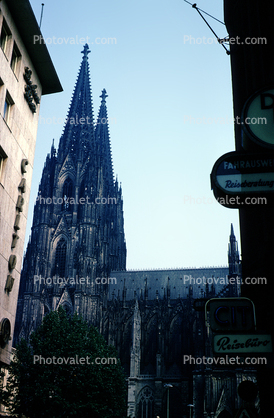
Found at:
<point>41,384</point>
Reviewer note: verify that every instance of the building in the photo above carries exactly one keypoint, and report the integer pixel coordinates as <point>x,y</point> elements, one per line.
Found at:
<point>154,321</point>
<point>76,258</point>
<point>78,230</point>
<point>26,73</point>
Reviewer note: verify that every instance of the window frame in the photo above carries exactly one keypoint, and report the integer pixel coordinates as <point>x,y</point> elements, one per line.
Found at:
<point>15,59</point>
<point>5,36</point>
<point>3,157</point>
<point>8,103</point>
<point>60,258</point>
<point>68,193</point>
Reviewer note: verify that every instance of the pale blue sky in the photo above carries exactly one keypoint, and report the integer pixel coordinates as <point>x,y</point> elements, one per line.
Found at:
<point>170,111</point>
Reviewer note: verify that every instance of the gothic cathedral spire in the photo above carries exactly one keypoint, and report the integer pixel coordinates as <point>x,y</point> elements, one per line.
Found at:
<point>233,254</point>
<point>78,229</point>
<point>102,139</point>
<point>79,125</point>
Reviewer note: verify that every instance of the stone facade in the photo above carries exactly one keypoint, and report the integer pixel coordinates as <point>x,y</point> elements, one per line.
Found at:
<point>77,233</point>
<point>153,321</point>
<point>22,82</point>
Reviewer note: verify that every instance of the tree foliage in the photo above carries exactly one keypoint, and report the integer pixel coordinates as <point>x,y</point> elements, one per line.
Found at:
<point>37,387</point>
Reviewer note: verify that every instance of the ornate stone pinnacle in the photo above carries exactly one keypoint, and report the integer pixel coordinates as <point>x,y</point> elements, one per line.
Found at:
<point>104,95</point>
<point>85,51</point>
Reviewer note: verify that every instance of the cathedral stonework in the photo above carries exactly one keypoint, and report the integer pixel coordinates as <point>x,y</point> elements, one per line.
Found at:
<point>77,233</point>
<point>76,258</point>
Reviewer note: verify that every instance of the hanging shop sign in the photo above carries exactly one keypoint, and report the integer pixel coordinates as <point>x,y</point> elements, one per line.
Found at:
<point>258,119</point>
<point>230,314</point>
<point>242,343</point>
<point>237,178</point>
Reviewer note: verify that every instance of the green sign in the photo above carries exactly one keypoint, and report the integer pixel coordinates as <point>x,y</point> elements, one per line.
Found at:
<point>242,343</point>
<point>242,176</point>
<point>258,118</point>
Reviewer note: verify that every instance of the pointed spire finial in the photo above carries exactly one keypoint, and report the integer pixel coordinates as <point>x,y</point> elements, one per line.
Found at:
<point>104,96</point>
<point>53,151</point>
<point>85,51</point>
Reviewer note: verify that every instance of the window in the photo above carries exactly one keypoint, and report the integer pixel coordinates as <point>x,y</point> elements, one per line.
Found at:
<point>7,107</point>
<point>67,195</point>
<point>15,59</point>
<point>3,156</point>
<point>60,258</point>
<point>146,404</point>
<point>5,36</point>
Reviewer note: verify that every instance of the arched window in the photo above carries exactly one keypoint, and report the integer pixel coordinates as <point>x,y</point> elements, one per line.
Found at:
<point>149,349</point>
<point>146,404</point>
<point>175,341</point>
<point>60,258</point>
<point>68,195</point>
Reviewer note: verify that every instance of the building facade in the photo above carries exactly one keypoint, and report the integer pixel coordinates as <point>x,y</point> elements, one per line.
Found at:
<point>76,257</point>
<point>26,73</point>
<point>77,233</point>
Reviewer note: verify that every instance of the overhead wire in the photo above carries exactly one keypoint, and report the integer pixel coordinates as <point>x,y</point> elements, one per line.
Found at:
<point>205,12</point>
<point>217,37</point>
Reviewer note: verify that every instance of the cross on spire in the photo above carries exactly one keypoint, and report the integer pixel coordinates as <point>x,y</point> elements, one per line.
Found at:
<point>104,96</point>
<point>85,51</point>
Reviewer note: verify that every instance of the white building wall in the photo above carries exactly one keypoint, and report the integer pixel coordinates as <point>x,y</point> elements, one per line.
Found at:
<point>17,142</point>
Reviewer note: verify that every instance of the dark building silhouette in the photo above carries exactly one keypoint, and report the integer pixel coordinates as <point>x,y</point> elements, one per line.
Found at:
<point>76,258</point>
<point>77,229</point>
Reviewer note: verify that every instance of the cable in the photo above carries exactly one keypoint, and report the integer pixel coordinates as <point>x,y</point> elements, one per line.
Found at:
<point>198,10</point>
<point>194,5</point>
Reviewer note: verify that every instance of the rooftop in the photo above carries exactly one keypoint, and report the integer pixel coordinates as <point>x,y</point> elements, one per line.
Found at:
<point>27,26</point>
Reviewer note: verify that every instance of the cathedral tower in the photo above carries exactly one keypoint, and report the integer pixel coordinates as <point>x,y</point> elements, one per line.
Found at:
<point>78,229</point>
<point>233,255</point>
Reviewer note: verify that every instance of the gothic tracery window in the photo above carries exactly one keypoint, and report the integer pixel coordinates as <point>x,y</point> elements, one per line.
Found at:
<point>149,349</point>
<point>60,258</point>
<point>67,195</point>
<point>146,404</point>
<point>175,340</point>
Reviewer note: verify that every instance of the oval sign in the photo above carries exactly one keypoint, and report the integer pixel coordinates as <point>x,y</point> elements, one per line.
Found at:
<point>258,117</point>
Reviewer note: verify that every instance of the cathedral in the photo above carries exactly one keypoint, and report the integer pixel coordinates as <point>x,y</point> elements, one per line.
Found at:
<point>76,258</point>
